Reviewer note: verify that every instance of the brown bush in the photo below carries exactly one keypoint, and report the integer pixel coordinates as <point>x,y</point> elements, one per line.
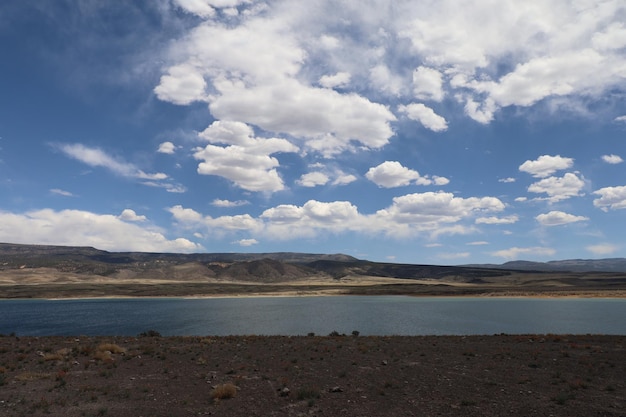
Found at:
<point>224,391</point>
<point>111,347</point>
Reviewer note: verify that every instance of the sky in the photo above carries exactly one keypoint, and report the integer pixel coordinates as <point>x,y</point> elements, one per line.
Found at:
<point>433,132</point>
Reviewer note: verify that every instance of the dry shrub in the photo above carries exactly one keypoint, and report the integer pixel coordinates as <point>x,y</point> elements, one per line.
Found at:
<point>32,376</point>
<point>111,347</point>
<point>224,391</point>
<point>52,357</point>
<point>103,355</point>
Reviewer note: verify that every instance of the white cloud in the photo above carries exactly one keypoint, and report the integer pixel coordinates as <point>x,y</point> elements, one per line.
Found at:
<point>343,178</point>
<point>556,218</point>
<point>250,75</point>
<point>515,252</point>
<point>458,255</point>
<point>247,242</point>
<point>247,162</point>
<point>428,84</point>
<point>558,188</point>
<point>129,215</point>
<point>434,208</point>
<point>611,198</point>
<point>228,204</point>
<point>83,228</point>
<point>477,243</point>
<point>383,79</point>
<point>433,245</point>
<point>167,148</point>
<point>602,249</point>
<point>612,159</point>
<point>98,158</point>
<point>437,180</point>
<point>546,165</point>
<point>431,214</point>
<point>620,119</point>
<point>497,220</point>
<point>64,193</point>
<point>339,79</point>
<point>182,85</point>
<point>437,49</point>
<point>313,179</point>
<point>391,174</point>
<point>507,180</point>
<point>201,8</point>
<point>425,115</point>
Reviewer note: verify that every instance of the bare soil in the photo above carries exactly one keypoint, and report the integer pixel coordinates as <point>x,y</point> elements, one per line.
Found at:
<point>500,375</point>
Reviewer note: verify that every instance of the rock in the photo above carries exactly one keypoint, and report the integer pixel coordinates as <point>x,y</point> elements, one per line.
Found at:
<point>284,392</point>
<point>335,389</point>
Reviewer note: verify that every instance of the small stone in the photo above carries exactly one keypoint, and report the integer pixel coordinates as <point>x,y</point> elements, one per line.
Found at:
<point>335,389</point>
<point>384,363</point>
<point>284,392</point>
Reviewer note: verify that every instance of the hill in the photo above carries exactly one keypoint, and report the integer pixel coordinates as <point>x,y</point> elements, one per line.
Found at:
<point>61,271</point>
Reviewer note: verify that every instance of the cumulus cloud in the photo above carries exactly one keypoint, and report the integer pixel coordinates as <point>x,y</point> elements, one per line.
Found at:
<point>620,119</point>
<point>431,214</point>
<point>83,228</point>
<point>313,179</point>
<point>558,188</point>
<point>602,249</point>
<point>391,174</point>
<point>201,8</point>
<point>167,148</point>
<point>425,115</point>
<point>612,159</point>
<point>516,253</point>
<point>428,84</point>
<point>507,180</point>
<point>546,165</point>
<point>129,215</point>
<point>440,207</point>
<point>228,204</point>
<point>497,220</point>
<point>557,218</point>
<point>611,198</point>
<point>250,76</point>
<point>246,161</point>
<point>339,79</point>
<point>247,242</point>
<point>383,79</point>
<point>267,66</point>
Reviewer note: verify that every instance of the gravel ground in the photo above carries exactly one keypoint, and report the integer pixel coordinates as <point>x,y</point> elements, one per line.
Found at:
<point>339,375</point>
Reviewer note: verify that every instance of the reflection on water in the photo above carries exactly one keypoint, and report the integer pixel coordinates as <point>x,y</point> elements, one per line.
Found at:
<point>377,315</point>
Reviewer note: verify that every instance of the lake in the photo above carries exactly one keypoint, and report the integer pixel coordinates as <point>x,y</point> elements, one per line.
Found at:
<point>370,315</point>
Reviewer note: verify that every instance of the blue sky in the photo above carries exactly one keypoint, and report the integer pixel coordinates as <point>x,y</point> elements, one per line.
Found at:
<point>406,131</point>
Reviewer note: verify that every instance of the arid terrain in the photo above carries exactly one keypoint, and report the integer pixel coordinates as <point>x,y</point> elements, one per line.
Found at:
<point>338,375</point>
<point>32,271</point>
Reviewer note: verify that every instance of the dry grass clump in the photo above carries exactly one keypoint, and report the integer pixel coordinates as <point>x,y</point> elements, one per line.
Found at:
<point>52,357</point>
<point>111,347</point>
<point>32,376</point>
<point>224,391</point>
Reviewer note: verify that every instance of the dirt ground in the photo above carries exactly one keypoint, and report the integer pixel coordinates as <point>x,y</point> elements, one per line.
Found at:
<point>338,375</point>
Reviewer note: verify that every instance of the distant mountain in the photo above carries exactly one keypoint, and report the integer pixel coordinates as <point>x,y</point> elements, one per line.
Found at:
<point>570,265</point>
<point>54,254</point>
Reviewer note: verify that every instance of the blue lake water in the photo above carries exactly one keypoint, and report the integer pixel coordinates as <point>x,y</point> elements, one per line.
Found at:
<point>375,315</point>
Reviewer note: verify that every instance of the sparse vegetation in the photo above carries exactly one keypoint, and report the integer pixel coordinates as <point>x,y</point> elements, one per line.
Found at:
<point>365,375</point>
<point>224,391</point>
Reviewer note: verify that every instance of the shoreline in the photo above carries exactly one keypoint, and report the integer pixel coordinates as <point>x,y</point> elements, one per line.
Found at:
<point>296,294</point>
